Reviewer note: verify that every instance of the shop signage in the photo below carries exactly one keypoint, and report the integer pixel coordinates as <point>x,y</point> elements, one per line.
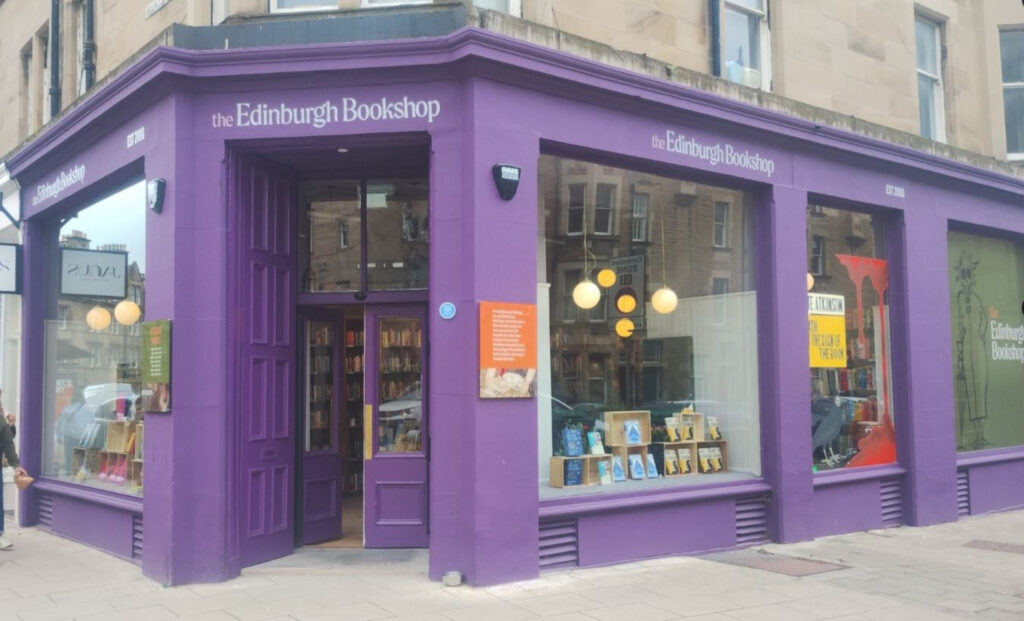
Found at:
<point>346,110</point>
<point>826,320</point>
<point>713,154</point>
<point>156,365</point>
<point>56,186</point>
<point>10,268</point>
<point>93,273</point>
<point>508,350</point>
<point>630,280</point>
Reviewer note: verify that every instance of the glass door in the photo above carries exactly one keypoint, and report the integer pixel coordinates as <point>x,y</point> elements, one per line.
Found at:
<point>395,467</point>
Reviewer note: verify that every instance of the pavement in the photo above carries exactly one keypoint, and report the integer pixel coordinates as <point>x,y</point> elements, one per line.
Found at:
<point>971,569</point>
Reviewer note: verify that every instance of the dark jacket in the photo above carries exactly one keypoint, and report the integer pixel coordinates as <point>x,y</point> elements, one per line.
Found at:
<point>7,444</point>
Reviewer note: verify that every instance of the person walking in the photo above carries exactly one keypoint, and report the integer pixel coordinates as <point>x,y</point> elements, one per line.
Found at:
<point>8,451</point>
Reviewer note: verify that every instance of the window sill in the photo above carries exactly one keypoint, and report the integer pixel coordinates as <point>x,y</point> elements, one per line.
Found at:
<point>868,473</point>
<point>639,494</point>
<point>132,504</point>
<point>990,456</point>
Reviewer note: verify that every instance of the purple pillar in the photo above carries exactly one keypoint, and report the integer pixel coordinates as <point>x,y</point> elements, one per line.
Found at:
<point>784,375</point>
<point>33,315</point>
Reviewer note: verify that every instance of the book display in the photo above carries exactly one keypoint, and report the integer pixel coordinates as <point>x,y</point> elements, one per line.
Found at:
<point>399,374</point>
<point>700,448</point>
<point>320,354</point>
<point>117,461</point>
<point>352,427</point>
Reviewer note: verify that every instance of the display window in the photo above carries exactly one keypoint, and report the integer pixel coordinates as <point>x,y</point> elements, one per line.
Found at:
<point>986,286</point>
<point>93,394</point>
<point>849,329</point>
<point>652,328</point>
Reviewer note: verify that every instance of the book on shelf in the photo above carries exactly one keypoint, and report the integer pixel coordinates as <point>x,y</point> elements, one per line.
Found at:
<point>573,472</point>
<point>685,467</point>
<point>618,469</point>
<point>603,474</point>
<point>713,431</point>
<point>671,462</point>
<point>715,457</point>
<point>652,467</point>
<point>572,442</point>
<point>632,429</point>
<point>596,446</point>
<point>636,466</point>
<point>686,427</point>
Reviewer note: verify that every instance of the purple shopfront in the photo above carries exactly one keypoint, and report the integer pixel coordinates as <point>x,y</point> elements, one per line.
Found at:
<point>322,204</point>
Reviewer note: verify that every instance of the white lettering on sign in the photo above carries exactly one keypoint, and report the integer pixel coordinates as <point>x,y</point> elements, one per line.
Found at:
<point>895,190</point>
<point>511,173</point>
<point>135,137</point>
<point>713,154</point>
<point>57,185</point>
<point>1007,341</point>
<point>825,304</point>
<point>327,113</point>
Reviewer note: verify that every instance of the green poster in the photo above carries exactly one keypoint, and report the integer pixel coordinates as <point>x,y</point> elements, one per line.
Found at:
<point>156,365</point>
<point>986,280</point>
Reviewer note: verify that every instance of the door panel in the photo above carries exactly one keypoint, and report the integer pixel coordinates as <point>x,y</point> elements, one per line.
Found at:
<point>395,392</point>
<point>322,463</point>
<point>267,353</point>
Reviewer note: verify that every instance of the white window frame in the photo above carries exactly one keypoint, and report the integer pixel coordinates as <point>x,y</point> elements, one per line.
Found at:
<point>764,43</point>
<point>513,7</point>
<point>1011,155</point>
<point>274,8</point>
<point>938,88</point>
<point>640,213</point>
<point>720,230</point>
<point>613,191</point>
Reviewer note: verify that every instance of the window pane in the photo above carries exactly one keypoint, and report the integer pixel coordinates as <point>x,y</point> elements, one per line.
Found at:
<point>641,202</point>
<point>331,217</point>
<point>986,286</point>
<point>755,5</point>
<point>93,378</point>
<point>1012,49</point>
<point>741,46</point>
<point>850,344</point>
<point>927,55</point>
<point>926,105</point>
<point>399,376</point>
<point>603,206</point>
<point>1013,99</point>
<point>576,193</point>
<point>688,357</point>
<point>303,5</point>
<point>397,234</point>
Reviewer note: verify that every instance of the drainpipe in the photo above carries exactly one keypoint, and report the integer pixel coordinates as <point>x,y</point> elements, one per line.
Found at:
<point>54,58</point>
<point>88,45</point>
<point>715,17</point>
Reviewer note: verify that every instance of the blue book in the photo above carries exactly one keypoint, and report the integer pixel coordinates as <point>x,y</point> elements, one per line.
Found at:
<point>572,442</point>
<point>574,472</point>
<point>652,468</point>
<point>603,474</point>
<point>636,467</point>
<point>633,432</point>
<point>618,471</point>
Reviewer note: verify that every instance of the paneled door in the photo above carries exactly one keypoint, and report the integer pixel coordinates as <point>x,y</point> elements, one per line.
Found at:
<point>396,441</point>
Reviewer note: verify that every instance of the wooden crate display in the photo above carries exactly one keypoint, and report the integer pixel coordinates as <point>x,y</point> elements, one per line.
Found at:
<point>615,427</point>
<point>119,435</point>
<point>705,468</point>
<point>591,474</point>
<point>658,449</point>
<point>698,430</point>
<point>87,459</point>
<point>623,453</point>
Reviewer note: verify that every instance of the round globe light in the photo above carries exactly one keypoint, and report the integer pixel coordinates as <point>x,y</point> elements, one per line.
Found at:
<point>810,281</point>
<point>586,294</point>
<point>127,312</point>
<point>98,318</point>
<point>624,327</point>
<point>606,277</point>
<point>626,303</point>
<point>664,300</point>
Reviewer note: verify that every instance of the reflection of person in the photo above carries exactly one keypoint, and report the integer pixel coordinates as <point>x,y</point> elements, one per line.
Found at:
<point>8,451</point>
<point>972,355</point>
<point>72,423</point>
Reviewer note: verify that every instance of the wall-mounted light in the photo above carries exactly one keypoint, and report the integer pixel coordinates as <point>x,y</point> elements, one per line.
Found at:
<point>155,190</point>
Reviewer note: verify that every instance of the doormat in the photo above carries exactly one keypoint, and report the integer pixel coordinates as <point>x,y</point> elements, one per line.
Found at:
<point>996,546</point>
<point>776,563</point>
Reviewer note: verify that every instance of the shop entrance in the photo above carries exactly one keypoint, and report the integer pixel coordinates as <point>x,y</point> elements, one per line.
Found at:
<point>364,466</point>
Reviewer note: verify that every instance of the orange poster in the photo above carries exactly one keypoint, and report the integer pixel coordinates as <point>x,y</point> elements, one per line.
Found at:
<point>508,350</point>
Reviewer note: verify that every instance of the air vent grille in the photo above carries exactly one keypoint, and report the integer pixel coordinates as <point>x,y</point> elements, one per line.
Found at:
<point>963,493</point>
<point>559,544</point>
<point>45,509</point>
<point>751,520</point>
<point>892,502</point>
<point>137,537</point>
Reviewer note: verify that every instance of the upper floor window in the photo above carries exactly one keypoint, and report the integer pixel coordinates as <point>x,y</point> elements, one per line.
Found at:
<point>604,205</point>
<point>720,231</point>
<point>746,50</point>
<point>817,255</point>
<point>284,6</point>
<point>1011,45</point>
<point>512,7</point>
<point>576,194</point>
<point>641,204</point>
<point>929,78</point>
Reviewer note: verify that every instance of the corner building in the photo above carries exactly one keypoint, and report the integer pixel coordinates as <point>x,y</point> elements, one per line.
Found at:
<point>317,391</point>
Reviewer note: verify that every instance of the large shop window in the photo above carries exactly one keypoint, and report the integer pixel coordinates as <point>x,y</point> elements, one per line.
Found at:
<point>93,395</point>
<point>849,328</point>
<point>986,286</point>
<point>652,379</point>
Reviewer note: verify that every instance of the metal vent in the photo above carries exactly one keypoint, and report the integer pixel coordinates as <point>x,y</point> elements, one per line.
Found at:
<point>137,537</point>
<point>45,509</point>
<point>751,520</point>
<point>559,544</point>
<point>963,493</point>
<point>892,502</point>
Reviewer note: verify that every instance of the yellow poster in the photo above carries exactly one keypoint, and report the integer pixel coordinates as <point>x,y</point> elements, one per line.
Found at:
<point>828,340</point>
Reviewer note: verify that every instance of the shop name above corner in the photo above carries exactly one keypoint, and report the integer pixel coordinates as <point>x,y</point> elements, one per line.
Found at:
<point>328,113</point>
<point>64,180</point>
<point>713,154</point>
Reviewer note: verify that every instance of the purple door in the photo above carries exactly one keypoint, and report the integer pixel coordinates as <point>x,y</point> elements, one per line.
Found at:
<point>395,446</point>
<point>322,462</point>
<point>266,277</point>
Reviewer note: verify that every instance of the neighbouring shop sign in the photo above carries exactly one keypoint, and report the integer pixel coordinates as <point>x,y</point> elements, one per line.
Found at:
<point>156,365</point>
<point>508,350</point>
<point>826,320</point>
<point>10,268</point>
<point>94,273</point>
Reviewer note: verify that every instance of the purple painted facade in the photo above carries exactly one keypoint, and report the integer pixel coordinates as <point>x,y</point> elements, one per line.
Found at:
<point>499,101</point>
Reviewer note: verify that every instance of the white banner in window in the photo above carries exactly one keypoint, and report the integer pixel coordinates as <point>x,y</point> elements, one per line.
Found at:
<point>10,268</point>
<point>94,273</point>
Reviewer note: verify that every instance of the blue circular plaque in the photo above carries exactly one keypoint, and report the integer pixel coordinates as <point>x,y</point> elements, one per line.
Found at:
<point>446,310</point>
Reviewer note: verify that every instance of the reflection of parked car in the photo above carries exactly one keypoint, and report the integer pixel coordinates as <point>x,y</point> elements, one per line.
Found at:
<point>111,400</point>
<point>588,414</point>
<point>406,405</point>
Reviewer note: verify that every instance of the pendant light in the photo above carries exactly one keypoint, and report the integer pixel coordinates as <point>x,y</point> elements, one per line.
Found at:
<point>664,300</point>
<point>586,294</point>
<point>98,318</point>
